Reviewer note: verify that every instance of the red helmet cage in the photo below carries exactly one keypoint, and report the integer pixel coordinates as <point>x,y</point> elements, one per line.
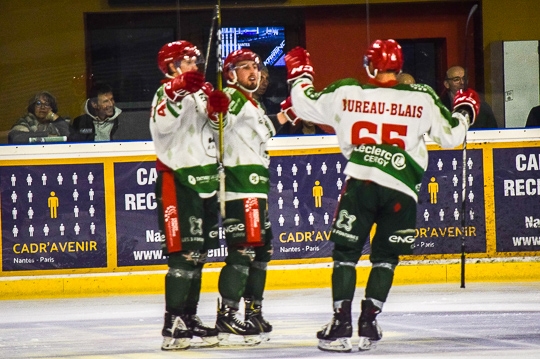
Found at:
<point>175,51</point>
<point>385,55</point>
<point>239,55</point>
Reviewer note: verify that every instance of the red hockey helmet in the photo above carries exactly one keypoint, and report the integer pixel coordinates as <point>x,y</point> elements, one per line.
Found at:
<point>385,55</point>
<point>240,55</point>
<point>176,51</point>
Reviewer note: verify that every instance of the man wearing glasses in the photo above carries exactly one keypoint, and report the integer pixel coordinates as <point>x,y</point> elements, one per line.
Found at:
<point>454,81</point>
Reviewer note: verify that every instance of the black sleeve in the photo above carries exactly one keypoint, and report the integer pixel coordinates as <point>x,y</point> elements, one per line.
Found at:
<point>24,137</point>
<point>63,126</point>
<point>533,120</point>
<point>278,126</point>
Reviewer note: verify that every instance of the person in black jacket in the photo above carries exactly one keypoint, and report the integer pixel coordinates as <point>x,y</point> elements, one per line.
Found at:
<point>454,81</point>
<point>41,123</point>
<point>533,120</point>
<point>101,119</point>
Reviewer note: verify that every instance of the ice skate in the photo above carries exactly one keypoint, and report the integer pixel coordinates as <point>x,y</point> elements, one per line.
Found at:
<point>176,335</point>
<point>368,329</point>
<point>232,331</point>
<point>253,315</point>
<point>208,336</point>
<point>336,335</point>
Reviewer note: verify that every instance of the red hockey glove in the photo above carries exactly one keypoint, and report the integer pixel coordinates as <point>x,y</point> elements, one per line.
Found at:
<point>298,64</point>
<point>288,112</point>
<point>218,102</point>
<point>207,88</point>
<point>184,84</point>
<point>467,101</point>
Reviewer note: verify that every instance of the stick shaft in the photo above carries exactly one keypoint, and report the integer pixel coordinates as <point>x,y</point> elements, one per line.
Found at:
<point>464,170</point>
<point>219,86</point>
<point>214,16</point>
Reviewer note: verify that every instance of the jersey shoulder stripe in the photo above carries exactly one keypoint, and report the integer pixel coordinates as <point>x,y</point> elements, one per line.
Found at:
<point>340,83</point>
<point>238,100</point>
<point>445,112</point>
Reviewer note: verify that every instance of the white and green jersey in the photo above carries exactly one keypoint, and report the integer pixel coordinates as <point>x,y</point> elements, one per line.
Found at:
<point>246,130</point>
<point>184,141</point>
<point>381,130</point>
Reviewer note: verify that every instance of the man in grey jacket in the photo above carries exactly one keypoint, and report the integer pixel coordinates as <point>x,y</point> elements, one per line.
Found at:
<point>103,121</point>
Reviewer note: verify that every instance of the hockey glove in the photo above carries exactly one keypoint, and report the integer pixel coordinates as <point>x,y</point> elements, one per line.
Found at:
<point>288,112</point>
<point>467,102</point>
<point>298,64</point>
<point>207,88</point>
<point>183,85</point>
<point>218,102</point>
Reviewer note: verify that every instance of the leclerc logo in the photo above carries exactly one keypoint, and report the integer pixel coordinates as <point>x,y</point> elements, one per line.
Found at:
<point>398,161</point>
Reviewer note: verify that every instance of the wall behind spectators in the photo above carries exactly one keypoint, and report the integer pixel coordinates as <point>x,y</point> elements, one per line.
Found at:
<point>43,43</point>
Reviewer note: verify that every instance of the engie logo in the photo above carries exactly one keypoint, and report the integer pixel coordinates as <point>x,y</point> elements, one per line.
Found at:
<point>399,239</point>
<point>230,226</point>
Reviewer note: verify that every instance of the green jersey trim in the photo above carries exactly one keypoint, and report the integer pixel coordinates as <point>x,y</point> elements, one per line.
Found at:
<point>247,179</point>
<point>238,100</point>
<point>202,179</point>
<point>391,160</point>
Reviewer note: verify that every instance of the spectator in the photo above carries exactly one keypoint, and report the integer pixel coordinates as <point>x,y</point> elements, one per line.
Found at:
<point>263,86</point>
<point>454,81</point>
<point>405,78</point>
<point>41,122</point>
<point>303,127</point>
<point>101,119</point>
<point>533,120</point>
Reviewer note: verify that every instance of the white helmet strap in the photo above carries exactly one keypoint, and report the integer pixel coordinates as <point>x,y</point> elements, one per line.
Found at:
<point>234,81</point>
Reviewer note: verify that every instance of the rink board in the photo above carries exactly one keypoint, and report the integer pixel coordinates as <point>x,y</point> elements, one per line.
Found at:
<point>80,219</point>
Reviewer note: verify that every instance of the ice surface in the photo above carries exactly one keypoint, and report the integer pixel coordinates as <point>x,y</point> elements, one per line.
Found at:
<point>483,320</point>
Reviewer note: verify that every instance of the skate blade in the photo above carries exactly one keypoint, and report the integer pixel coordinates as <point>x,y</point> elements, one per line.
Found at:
<point>264,337</point>
<point>341,345</point>
<point>366,343</point>
<point>206,342</point>
<point>170,344</point>
<point>228,340</point>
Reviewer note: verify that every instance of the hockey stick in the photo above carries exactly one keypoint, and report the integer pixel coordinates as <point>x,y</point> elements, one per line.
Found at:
<point>214,17</point>
<point>219,85</point>
<point>464,170</point>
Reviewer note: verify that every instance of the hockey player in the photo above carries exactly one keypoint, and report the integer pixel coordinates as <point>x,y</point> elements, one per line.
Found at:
<point>247,228</point>
<point>186,189</point>
<point>380,128</point>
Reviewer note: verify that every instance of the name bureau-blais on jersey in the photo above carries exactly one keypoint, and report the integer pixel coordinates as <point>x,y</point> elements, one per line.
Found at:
<point>379,107</point>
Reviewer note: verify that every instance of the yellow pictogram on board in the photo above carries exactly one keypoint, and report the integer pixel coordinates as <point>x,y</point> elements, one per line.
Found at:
<point>317,194</point>
<point>53,204</point>
<point>433,190</point>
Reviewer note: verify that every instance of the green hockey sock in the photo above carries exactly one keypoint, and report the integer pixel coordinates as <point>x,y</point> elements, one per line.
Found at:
<point>256,282</point>
<point>232,281</point>
<point>177,287</point>
<point>379,283</point>
<point>343,281</point>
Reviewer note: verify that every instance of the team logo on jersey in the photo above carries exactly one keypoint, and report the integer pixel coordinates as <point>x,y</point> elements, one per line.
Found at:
<point>192,180</point>
<point>345,220</point>
<point>195,226</point>
<point>398,161</point>
<point>254,178</point>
